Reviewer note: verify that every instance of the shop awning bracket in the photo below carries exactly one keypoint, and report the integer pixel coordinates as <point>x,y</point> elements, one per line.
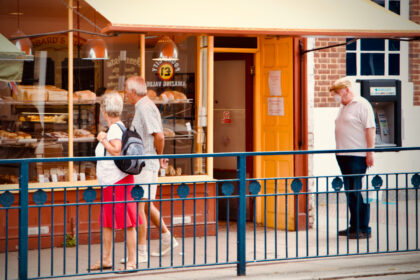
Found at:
<point>302,51</point>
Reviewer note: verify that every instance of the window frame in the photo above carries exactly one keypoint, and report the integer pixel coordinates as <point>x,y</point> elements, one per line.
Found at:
<point>403,52</point>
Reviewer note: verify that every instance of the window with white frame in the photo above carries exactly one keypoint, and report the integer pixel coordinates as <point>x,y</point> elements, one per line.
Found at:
<point>376,57</point>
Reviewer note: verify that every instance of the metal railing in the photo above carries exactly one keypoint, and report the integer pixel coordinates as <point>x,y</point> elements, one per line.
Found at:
<point>57,232</point>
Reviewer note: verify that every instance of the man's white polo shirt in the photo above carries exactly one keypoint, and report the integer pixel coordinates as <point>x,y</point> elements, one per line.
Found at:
<point>351,124</point>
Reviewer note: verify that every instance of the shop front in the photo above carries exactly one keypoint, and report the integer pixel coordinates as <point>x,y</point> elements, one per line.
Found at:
<point>226,77</point>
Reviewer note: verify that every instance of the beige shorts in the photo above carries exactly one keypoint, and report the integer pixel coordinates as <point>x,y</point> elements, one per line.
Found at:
<point>145,180</point>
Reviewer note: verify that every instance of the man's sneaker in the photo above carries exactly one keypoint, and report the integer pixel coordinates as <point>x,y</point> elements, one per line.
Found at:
<point>166,247</point>
<point>142,258</point>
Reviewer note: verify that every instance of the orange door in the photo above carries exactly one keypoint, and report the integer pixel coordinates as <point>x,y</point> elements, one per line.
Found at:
<point>274,127</point>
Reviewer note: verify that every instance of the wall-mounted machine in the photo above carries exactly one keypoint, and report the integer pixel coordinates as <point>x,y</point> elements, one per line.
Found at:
<point>385,97</point>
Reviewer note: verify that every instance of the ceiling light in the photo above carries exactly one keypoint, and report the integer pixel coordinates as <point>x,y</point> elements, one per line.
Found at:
<point>23,44</point>
<point>95,49</point>
<point>165,50</point>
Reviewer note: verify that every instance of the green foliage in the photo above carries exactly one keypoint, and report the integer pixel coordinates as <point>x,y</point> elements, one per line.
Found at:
<point>70,240</point>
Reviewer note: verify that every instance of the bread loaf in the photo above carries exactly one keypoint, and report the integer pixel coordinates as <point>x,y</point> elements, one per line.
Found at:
<point>151,94</point>
<point>179,95</point>
<point>166,96</point>
<point>56,94</point>
<point>35,94</point>
<point>85,95</point>
<point>168,132</point>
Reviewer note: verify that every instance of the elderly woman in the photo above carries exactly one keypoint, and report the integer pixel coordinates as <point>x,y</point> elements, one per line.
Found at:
<point>120,215</point>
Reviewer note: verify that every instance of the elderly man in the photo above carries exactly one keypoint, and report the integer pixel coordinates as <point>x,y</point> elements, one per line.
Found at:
<point>354,129</point>
<point>147,122</point>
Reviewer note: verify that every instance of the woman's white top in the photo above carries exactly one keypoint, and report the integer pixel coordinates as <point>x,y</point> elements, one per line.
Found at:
<point>106,170</point>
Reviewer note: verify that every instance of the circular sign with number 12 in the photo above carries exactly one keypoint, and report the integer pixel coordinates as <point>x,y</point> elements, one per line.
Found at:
<point>166,71</point>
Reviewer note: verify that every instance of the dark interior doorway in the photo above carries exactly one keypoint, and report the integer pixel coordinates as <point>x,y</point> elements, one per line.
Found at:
<point>233,119</point>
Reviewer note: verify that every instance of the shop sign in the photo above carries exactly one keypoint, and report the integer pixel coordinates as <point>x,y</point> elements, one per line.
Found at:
<point>166,69</point>
<point>55,41</point>
<point>383,91</point>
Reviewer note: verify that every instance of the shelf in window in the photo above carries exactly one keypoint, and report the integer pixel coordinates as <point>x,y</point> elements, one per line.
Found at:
<point>179,137</point>
<point>169,102</point>
<point>16,102</point>
<point>79,139</point>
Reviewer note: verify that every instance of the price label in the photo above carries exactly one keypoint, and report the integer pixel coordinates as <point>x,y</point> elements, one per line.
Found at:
<point>166,71</point>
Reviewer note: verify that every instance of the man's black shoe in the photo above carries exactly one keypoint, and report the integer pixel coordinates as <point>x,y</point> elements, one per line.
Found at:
<point>359,235</point>
<point>345,232</point>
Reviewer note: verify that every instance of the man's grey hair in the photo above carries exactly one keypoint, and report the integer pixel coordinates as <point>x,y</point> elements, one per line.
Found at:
<point>113,104</point>
<point>137,84</point>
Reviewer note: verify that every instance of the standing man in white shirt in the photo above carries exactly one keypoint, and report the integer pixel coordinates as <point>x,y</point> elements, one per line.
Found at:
<point>354,129</point>
<point>147,122</point>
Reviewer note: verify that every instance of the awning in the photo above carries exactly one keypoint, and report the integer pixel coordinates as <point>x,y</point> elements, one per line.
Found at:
<point>348,18</point>
<point>11,61</point>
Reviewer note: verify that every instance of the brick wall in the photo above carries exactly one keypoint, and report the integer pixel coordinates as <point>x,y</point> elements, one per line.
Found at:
<point>414,57</point>
<point>330,65</point>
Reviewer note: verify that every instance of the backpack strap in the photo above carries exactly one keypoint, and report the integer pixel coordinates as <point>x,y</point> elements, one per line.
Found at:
<point>122,127</point>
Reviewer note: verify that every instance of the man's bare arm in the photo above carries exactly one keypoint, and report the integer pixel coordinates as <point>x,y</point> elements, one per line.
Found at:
<point>370,141</point>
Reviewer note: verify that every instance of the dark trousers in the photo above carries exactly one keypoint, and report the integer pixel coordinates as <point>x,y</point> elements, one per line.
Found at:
<point>359,211</point>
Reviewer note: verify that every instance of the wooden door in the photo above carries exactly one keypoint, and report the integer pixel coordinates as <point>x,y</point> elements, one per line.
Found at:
<point>274,130</point>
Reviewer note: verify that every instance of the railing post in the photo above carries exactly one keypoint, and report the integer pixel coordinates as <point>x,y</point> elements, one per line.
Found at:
<point>23,220</point>
<point>241,230</point>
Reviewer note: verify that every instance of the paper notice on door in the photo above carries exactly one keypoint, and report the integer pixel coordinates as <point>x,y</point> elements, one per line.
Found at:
<point>274,83</point>
<point>275,106</point>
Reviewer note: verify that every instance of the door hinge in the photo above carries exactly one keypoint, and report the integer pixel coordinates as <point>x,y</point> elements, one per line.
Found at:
<point>252,70</point>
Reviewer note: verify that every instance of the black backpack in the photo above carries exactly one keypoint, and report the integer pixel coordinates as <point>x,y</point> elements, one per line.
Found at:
<point>132,145</point>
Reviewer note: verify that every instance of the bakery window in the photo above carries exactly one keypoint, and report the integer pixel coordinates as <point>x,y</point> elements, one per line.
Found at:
<point>170,63</point>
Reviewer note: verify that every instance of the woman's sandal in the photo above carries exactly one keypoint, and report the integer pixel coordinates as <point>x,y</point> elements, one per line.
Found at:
<point>129,269</point>
<point>97,266</point>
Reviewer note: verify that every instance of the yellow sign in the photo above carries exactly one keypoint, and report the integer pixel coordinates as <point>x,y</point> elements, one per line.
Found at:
<point>166,71</point>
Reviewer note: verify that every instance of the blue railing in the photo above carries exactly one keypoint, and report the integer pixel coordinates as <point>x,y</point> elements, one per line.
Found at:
<point>65,240</point>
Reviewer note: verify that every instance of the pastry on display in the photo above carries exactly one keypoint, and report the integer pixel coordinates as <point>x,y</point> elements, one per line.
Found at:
<point>170,170</point>
<point>35,94</point>
<point>7,135</point>
<point>85,95</point>
<point>178,171</point>
<point>9,179</point>
<point>179,95</point>
<point>167,132</point>
<point>57,134</point>
<point>151,94</point>
<point>57,94</point>
<point>60,118</point>
<point>23,135</point>
<point>79,133</point>
<point>166,96</point>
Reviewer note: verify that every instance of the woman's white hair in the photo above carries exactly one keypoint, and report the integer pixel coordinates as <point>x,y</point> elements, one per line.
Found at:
<point>137,84</point>
<point>112,104</point>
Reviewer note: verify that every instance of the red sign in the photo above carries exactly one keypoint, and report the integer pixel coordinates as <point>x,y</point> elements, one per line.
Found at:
<point>226,117</point>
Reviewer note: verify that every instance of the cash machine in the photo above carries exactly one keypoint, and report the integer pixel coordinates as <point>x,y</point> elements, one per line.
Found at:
<point>385,97</point>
